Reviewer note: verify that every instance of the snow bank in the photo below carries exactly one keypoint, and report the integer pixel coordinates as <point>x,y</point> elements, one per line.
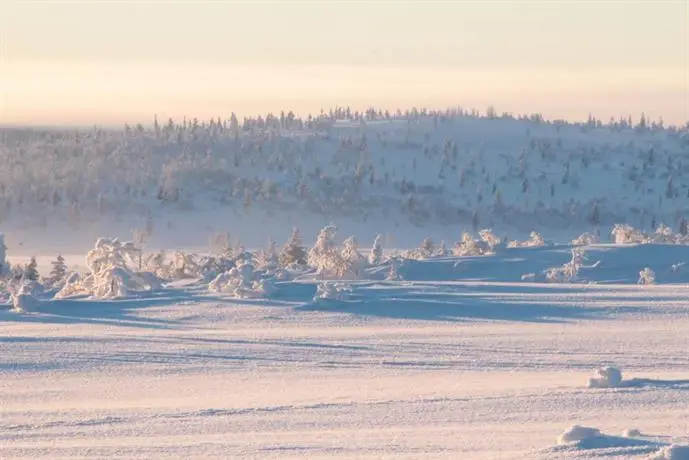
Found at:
<point>673,452</point>
<point>606,377</point>
<point>577,433</point>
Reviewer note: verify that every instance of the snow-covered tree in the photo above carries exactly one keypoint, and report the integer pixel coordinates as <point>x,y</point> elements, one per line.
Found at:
<point>324,256</point>
<point>112,265</point>
<point>353,263</point>
<point>58,272</point>
<point>268,258</point>
<point>31,270</point>
<point>375,257</point>
<point>427,248</point>
<point>293,251</point>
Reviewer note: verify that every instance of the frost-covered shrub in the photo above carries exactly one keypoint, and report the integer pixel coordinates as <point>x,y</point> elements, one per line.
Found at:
<point>569,271</point>
<point>184,265</point>
<point>244,281</point>
<point>324,256</point>
<point>469,247</point>
<point>332,291</point>
<point>606,377</point>
<point>585,239</point>
<point>112,273</point>
<point>535,241</point>
<point>489,239</point>
<point>352,262</point>
<point>647,276</point>
<point>663,234</point>
<point>626,234</point>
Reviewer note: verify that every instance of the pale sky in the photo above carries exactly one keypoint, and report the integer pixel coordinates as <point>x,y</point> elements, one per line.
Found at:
<point>116,61</point>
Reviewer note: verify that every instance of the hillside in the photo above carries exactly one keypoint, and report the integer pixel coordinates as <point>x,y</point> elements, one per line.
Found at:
<point>404,175</point>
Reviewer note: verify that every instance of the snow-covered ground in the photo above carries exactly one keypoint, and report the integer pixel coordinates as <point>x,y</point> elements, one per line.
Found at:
<point>460,358</point>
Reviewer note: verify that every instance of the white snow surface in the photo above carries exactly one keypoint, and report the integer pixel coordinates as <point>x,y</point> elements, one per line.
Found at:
<point>460,359</point>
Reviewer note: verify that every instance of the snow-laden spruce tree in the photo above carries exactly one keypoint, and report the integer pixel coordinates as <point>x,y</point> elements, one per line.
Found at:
<point>58,273</point>
<point>293,251</point>
<point>268,259</point>
<point>31,270</point>
<point>352,262</point>
<point>375,257</point>
<point>324,256</point>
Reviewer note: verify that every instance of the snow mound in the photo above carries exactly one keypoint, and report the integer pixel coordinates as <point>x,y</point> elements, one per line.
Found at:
<point>577,433</point>
<point>673,452</point>
<point>606,377</point>
<point>579,438</point>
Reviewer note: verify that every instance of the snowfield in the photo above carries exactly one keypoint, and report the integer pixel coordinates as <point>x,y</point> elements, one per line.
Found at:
<point>454,357</point>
